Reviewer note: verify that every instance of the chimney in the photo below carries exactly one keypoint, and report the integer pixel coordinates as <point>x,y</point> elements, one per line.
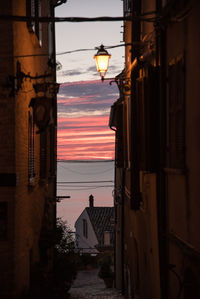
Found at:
<point>91,201</point>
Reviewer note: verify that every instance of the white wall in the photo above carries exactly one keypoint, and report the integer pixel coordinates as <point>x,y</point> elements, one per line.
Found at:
<point>83,242</point>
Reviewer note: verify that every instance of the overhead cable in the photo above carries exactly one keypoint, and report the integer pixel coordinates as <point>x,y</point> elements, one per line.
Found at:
<point>85,182</point>
<point>17,18</point>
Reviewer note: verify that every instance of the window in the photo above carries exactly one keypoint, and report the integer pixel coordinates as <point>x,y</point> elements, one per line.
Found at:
<point>176,115</point>
<point>53,134</point>
<point>33,9</point>
<point>144,127</point>
<point>85,228</point>
<point>119,143</point>
<point>31,162</point>
<point>43,155</point>
<point>127,7</point>
<point>3,221</point>
<point>107,238</point>
<point>147,116</point>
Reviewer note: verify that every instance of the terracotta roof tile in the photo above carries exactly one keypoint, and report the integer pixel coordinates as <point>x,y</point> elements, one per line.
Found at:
<point>100,218</point>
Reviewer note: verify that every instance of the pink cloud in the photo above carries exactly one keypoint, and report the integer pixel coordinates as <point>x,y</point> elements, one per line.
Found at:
<point>84,137</point>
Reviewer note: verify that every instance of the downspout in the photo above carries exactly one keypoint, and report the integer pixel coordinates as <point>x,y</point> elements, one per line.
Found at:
<point>122,230</point>
<point>52,11</point>
<point>161,193</point>
<point>113,126</point>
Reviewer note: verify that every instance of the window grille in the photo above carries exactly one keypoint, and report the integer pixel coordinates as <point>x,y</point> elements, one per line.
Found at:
<point>34,9</point>
<point>127,7</point>
<point>31,162</point>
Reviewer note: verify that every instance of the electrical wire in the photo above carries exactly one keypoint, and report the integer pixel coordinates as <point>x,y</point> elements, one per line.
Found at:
<point>141,44</point>
<point>85,161</point>
<point>106,47</point>
<point>84,173</point>
<point>86,182</point>
<point>81,186</point>
<point>74,51</point>
<point>84,189</point>
<point>16,18</point>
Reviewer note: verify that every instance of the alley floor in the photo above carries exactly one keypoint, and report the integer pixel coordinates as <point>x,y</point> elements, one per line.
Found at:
<point>88,285</point>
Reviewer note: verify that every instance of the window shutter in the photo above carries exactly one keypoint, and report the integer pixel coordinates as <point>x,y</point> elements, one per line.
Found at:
<point>31,162</point>
<point>3,221</point>
<point>176,115</point>
<point>119,151</point>
<point>38,24</point>
<point>30,12</point>
<point>147,116</point>
<point>43,155</point>
<point>34,9</point>
<point>52,149</point>
<point>144,131</point>
<point>127,7</point>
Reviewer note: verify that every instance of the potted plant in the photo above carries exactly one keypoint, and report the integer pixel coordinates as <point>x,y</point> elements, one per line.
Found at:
<point>106,272</point>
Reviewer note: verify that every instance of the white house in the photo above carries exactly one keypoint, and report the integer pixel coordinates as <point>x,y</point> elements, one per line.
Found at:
<point>94,229</point>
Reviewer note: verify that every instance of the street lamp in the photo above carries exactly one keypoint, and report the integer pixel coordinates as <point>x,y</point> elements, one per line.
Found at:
<point>102,60</point>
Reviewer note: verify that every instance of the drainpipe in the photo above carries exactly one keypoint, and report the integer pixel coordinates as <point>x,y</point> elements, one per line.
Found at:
<point>161,194</point>
<point>122,232</point>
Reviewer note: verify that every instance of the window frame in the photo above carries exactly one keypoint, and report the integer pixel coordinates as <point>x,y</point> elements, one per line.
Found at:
<point>34,9</point>
<point>85,228</point>
<point>3,221</point>
<point>31,148</point>
<point>175,145</point>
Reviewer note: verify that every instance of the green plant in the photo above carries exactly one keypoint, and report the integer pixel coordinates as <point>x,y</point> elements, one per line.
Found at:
<point>65,257</point>
<point>105,267</point>
<point>64,238</point>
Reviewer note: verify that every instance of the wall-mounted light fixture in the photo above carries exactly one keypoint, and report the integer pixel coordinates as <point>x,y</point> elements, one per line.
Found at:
<point>102,58</point>
<point>102,61</point>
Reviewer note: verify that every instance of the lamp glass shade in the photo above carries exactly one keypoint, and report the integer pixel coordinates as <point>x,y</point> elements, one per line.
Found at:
<point>102,61</point>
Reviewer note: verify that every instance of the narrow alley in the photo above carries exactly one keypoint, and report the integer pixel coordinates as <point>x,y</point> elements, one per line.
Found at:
<point>89,285</point>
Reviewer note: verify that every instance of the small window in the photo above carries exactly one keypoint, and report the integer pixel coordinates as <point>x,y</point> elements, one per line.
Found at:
<point>127,7</point>
<point>34,9</point>
<point>107,238</point>
<point>85,228</point>
<point>31,162</point>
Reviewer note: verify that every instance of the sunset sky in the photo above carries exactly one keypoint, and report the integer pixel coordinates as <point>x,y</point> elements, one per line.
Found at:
<point>83,113</point>
<point>80,66</point>
<point>84,105</point>
<point>84,101</point>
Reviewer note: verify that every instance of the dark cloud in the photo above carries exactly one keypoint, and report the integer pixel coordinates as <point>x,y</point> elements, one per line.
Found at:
<point>89,88</point>
<point>86,96</point>
<point>70,73</point>
<point>114,68</point>
<point>92,69</point>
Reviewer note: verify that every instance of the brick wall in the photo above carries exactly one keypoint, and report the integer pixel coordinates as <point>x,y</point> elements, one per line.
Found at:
<point>25,203</point>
